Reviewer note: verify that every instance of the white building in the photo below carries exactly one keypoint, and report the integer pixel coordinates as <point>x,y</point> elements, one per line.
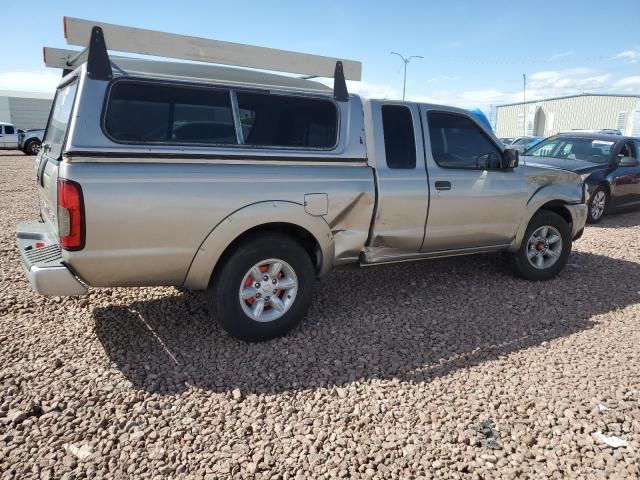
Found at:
<point>25,109</point>
<point>587,111</point>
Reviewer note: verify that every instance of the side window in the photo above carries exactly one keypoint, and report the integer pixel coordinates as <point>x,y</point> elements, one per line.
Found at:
<point>627,150</point>
<point>287,121</point>
<point>9,129</point>
<point>147,112</point>
<point>457,142</point>
<point>399,138</point>
<point>637,142</point>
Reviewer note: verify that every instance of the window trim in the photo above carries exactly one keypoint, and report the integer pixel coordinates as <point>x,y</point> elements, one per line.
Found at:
<point>482,131</point>
<point>75,78</point>
<point>232,91</point>
<point>415,140</point>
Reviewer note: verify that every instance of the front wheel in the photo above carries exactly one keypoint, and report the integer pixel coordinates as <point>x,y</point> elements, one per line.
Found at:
<point>545,248</point>
<point>597,205</point>
<point>263,289</point>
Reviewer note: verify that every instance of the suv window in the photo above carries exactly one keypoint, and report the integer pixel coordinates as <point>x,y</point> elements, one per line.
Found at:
<point>457,142</point>
<point>399,139</point>
<point>150,112</point>
<point>9,130</point>
<point>287,121</point>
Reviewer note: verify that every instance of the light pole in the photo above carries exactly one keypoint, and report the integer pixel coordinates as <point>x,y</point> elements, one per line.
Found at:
<point>405,61</point>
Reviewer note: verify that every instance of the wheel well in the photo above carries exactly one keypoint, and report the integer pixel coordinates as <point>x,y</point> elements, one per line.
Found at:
<point>559,208</point>
<point>296,232</point>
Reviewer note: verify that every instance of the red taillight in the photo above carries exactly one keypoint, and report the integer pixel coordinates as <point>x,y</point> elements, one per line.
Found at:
<point>70,215</point>
<point>64,26</point>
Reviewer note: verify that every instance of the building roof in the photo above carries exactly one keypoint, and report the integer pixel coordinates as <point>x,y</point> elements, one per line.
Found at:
<point>628,95</point>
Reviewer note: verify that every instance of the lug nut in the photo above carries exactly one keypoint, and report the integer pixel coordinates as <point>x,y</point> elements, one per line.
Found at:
<point>258,295</point>
<point>265,278</point>
<point>266,298</point>
<point>274,281</point>
<point>257,285</point>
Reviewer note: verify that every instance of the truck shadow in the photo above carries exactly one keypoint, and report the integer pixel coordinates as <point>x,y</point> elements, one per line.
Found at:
<point>621,219</point>
<point>413,322</point>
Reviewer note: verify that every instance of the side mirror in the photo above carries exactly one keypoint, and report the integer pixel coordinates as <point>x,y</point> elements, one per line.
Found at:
<point>510,159</point>
<point>628,162</point>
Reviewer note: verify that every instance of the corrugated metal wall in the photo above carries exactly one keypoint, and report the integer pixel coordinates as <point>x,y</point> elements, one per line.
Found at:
<point>548,117</point>
<point>27,113</point>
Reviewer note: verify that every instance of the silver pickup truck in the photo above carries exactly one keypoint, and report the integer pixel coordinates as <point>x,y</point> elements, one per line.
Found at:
<point>250,186</point>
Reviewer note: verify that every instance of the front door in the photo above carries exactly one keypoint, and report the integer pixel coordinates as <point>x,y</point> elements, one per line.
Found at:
<point>625,181</point>
<point>473,203</point>
<point>9,137</point>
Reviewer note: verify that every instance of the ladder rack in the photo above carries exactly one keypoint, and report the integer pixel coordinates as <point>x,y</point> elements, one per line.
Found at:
<point>97,37</point>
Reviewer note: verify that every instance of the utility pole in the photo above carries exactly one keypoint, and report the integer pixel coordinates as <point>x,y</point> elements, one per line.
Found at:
<point>524,104</point>
<point>405,61</point>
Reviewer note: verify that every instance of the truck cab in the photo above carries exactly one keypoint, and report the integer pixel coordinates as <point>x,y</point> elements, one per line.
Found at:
<point>8,136</point>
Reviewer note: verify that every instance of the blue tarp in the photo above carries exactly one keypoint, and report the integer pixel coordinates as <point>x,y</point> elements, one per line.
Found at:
<point>482,117</point>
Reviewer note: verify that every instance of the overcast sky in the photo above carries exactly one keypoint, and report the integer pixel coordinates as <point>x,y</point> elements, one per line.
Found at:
<point>475,52</point>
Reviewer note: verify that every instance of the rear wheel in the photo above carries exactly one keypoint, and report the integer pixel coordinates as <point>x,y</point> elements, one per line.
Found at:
<point>545,248</point>
<point>597,205</point>
<point>263,289</point>
<point>32,147</point>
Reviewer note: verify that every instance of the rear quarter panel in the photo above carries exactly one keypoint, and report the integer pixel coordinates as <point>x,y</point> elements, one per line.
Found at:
<point>145,222</point>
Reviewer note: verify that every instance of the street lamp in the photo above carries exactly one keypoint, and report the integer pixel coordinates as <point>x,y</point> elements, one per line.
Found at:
<point>405,61</point>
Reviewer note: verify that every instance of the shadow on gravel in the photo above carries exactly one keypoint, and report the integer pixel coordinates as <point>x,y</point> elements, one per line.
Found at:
<point>412,322</point>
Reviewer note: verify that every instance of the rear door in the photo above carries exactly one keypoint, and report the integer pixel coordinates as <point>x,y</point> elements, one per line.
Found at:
<point>402,187</point>
<point>473,203</point>
<point>50,154</point>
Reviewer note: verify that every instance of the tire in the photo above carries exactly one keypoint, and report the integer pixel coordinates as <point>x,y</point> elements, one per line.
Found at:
<point>598,203</point>
<point>32,147</point>
<point>263,250</point>
<point>549,257</point>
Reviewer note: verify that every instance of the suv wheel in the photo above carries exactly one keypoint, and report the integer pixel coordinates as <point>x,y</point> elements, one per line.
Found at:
<point>597,205</point>
<point>263,289</point>
<point>32,147</point>
<point>545,249</point>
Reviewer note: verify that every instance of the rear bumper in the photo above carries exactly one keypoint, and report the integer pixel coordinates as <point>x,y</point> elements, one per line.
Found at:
<point>44,266</point>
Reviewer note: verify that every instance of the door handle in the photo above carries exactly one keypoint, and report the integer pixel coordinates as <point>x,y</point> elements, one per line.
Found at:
<point>443,185</point>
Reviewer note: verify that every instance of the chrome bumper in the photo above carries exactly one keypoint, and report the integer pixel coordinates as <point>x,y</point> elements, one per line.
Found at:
<point>45,269</point>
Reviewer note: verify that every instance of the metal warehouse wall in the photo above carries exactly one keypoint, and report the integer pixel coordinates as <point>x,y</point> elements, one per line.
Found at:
<point>27,113</point>
<point>548,117</point>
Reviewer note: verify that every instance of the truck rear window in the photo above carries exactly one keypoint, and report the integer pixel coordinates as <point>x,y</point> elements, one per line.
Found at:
<point>155,113</point>
<point>59,119</point>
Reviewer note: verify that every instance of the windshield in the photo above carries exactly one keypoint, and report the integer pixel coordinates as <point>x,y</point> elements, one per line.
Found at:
<point>59,119</point>
<point>573,148</point>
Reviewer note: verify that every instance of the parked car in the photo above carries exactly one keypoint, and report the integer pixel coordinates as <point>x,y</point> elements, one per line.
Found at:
<point>311,179</point>
<point>607,162</point>
<point>8,136</point>
<point>612,131</point>
<point>30,140</point>
<point>523,143</point>
<point>506,140</point>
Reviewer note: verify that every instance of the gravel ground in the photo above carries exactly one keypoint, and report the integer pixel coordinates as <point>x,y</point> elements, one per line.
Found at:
<point>390,380</point>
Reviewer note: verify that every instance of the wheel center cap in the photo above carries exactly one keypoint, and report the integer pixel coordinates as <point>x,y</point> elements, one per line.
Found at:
<point>540,246</point>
